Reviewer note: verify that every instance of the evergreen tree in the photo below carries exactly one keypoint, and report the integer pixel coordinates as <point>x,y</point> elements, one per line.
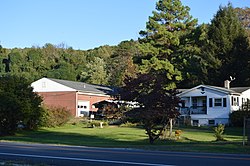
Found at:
<point>228,44</point>
<point>161,39</point>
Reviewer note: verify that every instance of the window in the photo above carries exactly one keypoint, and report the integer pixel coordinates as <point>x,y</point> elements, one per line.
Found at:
<point>217,102</point>
<point>43,84</point>
<point>211,122</point>
<point>235,101</point>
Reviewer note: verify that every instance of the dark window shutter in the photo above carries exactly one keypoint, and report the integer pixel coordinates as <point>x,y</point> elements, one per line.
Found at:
<point>224,102</point>
<point>210,102</point>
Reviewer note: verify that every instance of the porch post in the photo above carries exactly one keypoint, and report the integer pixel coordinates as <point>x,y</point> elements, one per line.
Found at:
<point>190,102</point>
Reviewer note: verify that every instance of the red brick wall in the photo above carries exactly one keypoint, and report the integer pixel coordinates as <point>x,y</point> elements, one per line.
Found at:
<point>60,99</point>
<point>92,99</point>
<point>69,100</point>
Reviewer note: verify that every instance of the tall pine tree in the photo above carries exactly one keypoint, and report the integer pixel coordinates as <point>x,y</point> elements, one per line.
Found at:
<point>160,41</point>
<point>228,44</point>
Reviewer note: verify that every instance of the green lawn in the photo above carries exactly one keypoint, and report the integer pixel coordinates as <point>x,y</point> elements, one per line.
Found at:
<point>192,139</point>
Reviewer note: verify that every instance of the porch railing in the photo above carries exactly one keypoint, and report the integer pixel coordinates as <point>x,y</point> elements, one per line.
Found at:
<point>193,110</point>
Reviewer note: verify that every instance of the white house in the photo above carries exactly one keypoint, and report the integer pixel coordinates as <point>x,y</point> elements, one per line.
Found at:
<point>211,105</point>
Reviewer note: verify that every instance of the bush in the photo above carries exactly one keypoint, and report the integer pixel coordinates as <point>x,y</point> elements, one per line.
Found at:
<point>219,130</point>
<point>56,116</point>
<point>237,118</point>
<point>128,124</point>
<point>9,114</point>
<point>19,105</point>
<point>178,133</point>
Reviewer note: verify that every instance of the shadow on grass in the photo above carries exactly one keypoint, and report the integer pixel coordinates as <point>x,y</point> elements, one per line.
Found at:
<point>53,137</point>
<point>81,139</point>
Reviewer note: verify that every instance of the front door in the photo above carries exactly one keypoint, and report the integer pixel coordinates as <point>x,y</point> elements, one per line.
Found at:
<point>83,108</point>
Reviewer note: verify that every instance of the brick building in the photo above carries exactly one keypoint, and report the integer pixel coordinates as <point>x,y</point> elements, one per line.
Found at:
<point>78,97</point>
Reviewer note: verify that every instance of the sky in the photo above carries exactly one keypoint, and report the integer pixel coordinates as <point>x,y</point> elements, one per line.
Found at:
<point>86,24</point>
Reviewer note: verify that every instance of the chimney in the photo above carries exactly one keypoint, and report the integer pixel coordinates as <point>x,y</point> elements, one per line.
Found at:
<point>227,84</point>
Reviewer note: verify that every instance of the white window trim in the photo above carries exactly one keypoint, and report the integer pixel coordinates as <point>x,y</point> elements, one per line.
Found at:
<point>221,104</point>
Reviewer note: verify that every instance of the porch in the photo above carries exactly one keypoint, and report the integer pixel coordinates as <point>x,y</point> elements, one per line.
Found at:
<point>193,105</point>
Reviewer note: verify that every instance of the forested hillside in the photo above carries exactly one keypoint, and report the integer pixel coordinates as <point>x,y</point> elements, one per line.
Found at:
<point>207,53</point>
<point>103,65</point>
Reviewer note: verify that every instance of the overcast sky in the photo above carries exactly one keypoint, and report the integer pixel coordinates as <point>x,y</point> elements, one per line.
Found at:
<point>86,24</point>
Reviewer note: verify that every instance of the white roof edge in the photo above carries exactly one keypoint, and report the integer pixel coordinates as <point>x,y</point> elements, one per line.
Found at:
<point>208,87</point>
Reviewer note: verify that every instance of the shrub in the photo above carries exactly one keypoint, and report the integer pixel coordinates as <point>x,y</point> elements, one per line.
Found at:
<point>219,130</point>
<point>128,124</point>
<point>19,105</point>
<point>56,116</point>
<point>178,134</point>
<point>237,117</point>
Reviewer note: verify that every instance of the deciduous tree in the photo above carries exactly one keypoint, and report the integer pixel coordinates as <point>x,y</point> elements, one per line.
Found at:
<point>157,105</point>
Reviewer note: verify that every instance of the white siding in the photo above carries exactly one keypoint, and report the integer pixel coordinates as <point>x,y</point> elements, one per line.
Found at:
<point>47,85</point>
<point>218,113</point>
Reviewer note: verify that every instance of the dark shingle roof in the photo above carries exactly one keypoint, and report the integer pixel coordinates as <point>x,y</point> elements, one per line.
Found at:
<point>86,88</point>
<point>240,89</point>
<point>230,91</point>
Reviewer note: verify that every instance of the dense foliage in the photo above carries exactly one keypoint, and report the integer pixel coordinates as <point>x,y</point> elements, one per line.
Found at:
<point>237,118</point>
<point>229,46</point>
<point>98,66</point>
<point>55,116</point>
<point>19,106</point>
<point>157,105</point>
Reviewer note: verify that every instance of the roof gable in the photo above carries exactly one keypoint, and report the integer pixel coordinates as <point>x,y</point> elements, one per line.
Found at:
<point>47,85</point>
<point>213,88</point>
<point>85,87</point>
<point>65,85</point>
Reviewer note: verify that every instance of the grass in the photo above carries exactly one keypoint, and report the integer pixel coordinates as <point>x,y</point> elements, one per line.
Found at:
<point>193,139</point>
